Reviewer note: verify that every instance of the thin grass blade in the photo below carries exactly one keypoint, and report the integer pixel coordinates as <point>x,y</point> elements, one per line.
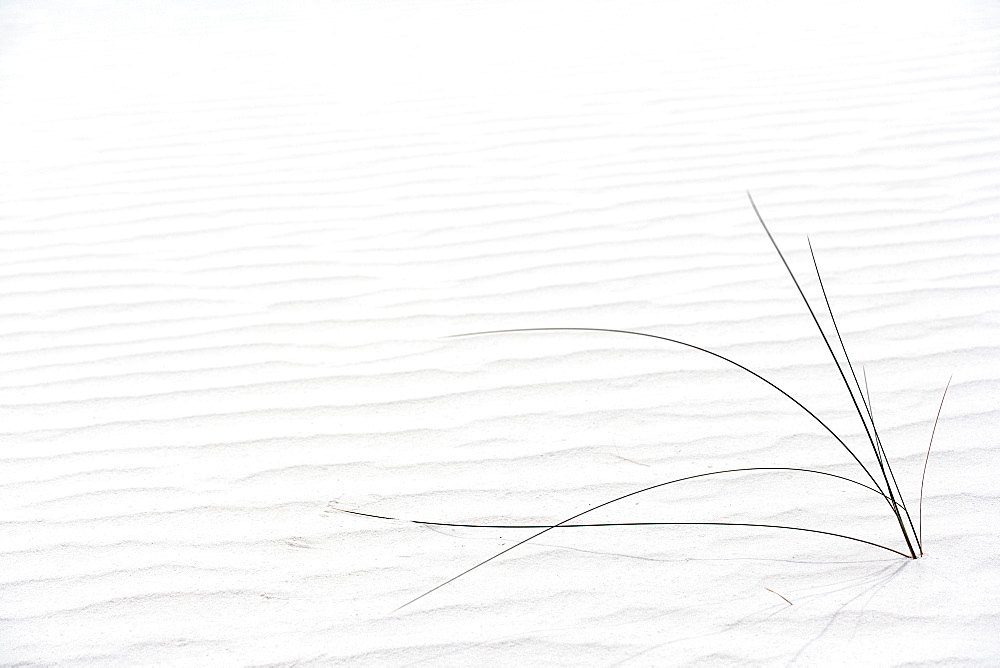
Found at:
<point>546,528</point>
<point>927,459</point>
<point>694,347</point>
<point>880,454</point>
<point>843,376</point>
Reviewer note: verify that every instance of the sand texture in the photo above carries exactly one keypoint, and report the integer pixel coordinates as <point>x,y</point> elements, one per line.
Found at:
<point>233,239</point>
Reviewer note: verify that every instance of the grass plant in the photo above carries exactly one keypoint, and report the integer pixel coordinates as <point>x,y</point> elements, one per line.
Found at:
<point>879,480</point>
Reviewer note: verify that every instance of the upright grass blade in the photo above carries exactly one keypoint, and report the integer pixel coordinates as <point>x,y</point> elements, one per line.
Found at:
<point>843,347</point>
<point>865,398</point>
<point>847,384</point>
<point>885,457</point>
<point>926,459</point>
<point>566,522</point>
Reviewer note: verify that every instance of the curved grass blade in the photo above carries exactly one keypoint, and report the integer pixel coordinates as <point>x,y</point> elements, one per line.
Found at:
<point>926,459</point>
<point>614,524</point>
<point>688,345</point>
<point>565,522</point>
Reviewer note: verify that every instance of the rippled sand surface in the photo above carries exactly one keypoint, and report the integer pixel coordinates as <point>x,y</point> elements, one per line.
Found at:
<point>233,237</point>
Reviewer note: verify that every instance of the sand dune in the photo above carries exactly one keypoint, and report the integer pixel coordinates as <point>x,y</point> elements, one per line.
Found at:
<point>233,240</point>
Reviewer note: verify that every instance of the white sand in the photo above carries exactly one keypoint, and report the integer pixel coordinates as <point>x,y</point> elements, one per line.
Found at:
<point>232,237</point>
